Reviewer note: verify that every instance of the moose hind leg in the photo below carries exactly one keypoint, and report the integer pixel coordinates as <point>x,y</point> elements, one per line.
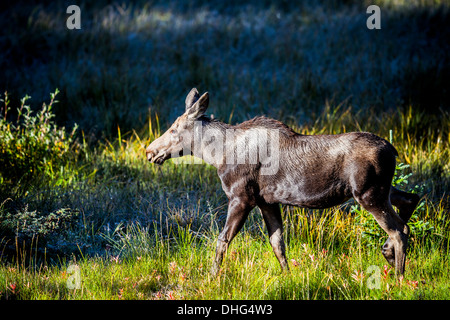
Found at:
<point>378,204</point>
<point>406,203</point>
<point>387,250</point>
<point>272,218</point>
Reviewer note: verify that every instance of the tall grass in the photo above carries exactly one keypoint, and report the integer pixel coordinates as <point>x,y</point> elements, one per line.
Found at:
<point>146,265</point>
<point>148,232</point>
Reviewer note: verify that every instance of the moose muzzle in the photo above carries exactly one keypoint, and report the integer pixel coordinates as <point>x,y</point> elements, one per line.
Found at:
<point>156,156</point>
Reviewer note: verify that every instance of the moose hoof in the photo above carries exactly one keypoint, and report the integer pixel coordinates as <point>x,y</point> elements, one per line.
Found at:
<point>389,252</point>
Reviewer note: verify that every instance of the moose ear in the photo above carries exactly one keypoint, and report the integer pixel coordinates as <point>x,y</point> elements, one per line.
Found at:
<point>199,107</point>
<point>191,98</point>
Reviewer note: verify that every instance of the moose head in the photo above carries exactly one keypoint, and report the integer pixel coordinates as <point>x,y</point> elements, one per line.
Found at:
<point>178,139</point>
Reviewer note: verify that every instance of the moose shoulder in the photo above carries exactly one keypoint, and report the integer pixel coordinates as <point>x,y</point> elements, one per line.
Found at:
<point>262,162</point>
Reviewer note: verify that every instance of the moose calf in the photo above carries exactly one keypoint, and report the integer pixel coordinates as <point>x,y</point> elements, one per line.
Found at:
<point>262,162</point>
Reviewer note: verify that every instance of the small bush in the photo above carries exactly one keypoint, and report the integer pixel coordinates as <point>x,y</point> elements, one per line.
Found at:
<point>32,146</point>
<point>33,223</point>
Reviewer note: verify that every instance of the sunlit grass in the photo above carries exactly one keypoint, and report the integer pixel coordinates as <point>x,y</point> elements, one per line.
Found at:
<point>155,267</point>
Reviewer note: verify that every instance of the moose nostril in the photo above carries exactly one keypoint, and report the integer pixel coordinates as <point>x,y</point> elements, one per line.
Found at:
<point>149,155</point>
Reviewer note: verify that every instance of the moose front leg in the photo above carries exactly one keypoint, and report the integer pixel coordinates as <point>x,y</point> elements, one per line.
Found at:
<point>238,210</point>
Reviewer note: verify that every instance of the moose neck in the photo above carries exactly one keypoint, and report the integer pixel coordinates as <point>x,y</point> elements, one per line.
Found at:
<point>210,140</point>
<point>225,146</point>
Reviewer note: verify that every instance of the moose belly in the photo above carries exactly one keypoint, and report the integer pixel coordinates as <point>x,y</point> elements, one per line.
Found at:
<point>307,195</point>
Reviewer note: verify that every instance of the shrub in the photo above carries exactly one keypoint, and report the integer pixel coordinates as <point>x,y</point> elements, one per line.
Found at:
<point>32,146</point>
<point>33,223</point>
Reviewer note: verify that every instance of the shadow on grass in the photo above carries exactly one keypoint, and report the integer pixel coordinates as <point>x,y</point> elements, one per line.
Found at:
<point>255,57</point>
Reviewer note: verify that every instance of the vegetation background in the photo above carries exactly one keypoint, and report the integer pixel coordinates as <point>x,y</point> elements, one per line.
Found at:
<point>84,216</point>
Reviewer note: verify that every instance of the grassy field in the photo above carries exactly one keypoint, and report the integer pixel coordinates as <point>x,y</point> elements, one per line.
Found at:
<point>83,215</point>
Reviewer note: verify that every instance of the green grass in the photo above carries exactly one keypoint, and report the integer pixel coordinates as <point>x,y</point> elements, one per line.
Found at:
<point>178,267</point>
<point>149,232</point>
<point>141,231</point>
